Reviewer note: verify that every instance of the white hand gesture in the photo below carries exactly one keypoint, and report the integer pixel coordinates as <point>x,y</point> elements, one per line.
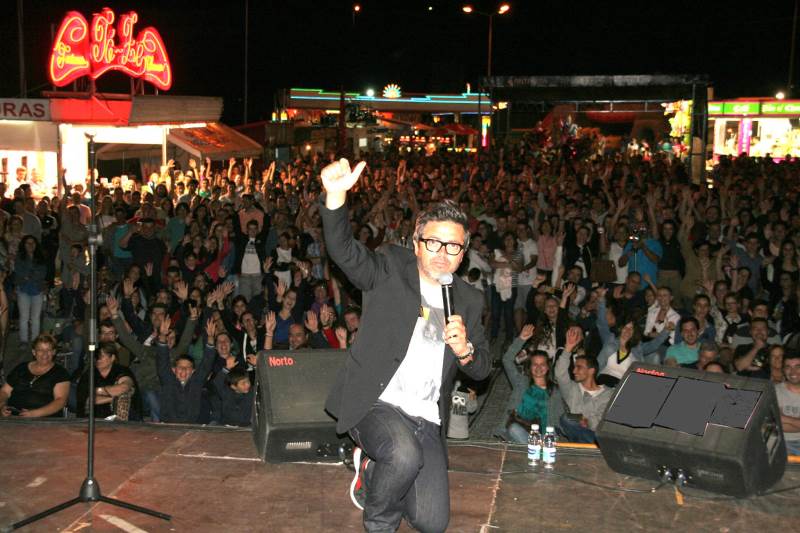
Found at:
<point>339,177</point>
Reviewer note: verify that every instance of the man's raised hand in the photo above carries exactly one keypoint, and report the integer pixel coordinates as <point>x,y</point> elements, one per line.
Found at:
<point>338,178</point>
<point>574,337</point>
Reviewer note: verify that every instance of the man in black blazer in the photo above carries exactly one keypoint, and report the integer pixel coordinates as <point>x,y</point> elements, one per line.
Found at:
<point>393,393</point>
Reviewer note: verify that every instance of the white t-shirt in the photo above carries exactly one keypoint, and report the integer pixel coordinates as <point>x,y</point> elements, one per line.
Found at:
<point>528,249</point>
<point>614,253</point>
<point>652,323</point>
<point>476,261</point>
<point>416,384</point>
<point>789,404</point>
<point>250,263</point>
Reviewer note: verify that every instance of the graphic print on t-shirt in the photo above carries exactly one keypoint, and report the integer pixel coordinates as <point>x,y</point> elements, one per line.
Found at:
<point>416,384</point>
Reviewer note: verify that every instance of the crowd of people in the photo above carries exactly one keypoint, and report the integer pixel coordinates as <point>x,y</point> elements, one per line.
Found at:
<point>589,260</point>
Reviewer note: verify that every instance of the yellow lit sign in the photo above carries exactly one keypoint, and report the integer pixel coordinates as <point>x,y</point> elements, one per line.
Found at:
<point>392,91</point>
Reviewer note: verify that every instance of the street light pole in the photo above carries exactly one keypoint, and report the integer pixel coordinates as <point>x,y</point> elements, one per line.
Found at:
<point>23,83</point>
<point>246,50</point>
<point>790,85</point>
<point>489,61</point>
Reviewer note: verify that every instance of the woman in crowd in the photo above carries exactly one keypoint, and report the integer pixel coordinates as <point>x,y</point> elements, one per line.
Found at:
<point>30,273</point>
<point>506,262</point>
<point>12,237</point>
<point>39,388</point>
<point>619,352</point>
<point>534,397</point>
<point>545,237</point>
<point>116,392</point>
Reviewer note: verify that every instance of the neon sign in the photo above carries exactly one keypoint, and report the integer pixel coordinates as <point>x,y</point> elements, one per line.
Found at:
<point>80,50</point>
<point>392,91</point>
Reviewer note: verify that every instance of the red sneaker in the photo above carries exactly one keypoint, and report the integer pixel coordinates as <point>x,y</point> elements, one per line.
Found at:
<point>358,488</point>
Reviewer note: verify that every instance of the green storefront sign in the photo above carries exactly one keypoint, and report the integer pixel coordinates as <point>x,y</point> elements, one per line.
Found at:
<point>754,108</point>
<point>780,108</point>
<point>740,108</point>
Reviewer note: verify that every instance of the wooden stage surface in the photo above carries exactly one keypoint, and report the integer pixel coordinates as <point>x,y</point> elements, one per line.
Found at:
<point>210,480</point>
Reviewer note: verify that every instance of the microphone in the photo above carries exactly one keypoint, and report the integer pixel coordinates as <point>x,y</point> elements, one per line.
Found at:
<point>446,281</point>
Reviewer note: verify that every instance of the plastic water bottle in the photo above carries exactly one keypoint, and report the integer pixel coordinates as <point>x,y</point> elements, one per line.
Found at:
<point>549,448</point>
<point>534,445</point>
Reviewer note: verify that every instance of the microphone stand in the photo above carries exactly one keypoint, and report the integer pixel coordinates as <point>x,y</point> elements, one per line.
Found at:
<point>90,489</point>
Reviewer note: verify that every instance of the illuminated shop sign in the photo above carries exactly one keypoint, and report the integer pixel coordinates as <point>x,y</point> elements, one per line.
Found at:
<point>24,109</point>
<point>764,107</point>
<point>84,50</point>
<point>734,108</point>
<point>780,108</point>
<point>392,91</point>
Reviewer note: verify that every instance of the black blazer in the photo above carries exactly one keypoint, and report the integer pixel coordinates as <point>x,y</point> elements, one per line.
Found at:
<point>389,281</point>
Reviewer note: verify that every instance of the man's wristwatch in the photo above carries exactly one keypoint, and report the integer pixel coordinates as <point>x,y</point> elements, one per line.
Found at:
<point>470,352</point>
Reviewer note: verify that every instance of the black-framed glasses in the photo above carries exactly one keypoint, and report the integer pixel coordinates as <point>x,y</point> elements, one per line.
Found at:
<point>434,245</point>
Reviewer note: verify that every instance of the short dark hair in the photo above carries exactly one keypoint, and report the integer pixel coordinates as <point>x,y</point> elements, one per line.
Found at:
<point>108,347</point>
<point>445,211</point>
<point>591,362</point>
<point>159,306</point>
<point>352,309</point>
<point>691,320</point>
<point>235,376</point>
<point>185,357</point>
<point>790,354</point>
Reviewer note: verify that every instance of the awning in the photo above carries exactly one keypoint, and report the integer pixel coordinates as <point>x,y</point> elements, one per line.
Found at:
<point>456,129</point>
<point>25,135</point>
<point>114,151</point>
<point>214,140</point>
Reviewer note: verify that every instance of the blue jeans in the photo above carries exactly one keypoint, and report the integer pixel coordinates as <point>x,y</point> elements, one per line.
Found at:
<point>30,311</point>
<point>505,311</point>
<point>152,404</point>
<point>408,478</point>
<point>574,432</point>
<point>518,434</point>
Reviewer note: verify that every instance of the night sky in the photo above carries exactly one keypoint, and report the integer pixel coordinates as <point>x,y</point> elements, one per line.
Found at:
<point>743,49</point>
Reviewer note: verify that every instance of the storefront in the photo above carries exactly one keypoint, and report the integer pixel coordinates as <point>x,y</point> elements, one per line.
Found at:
<point>42,138</point>
<point>375,121</point>
<point>755,127</point>
<point>28,143</point>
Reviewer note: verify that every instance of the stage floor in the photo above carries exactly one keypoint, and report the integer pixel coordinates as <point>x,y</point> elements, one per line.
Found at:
<point>210,480</point>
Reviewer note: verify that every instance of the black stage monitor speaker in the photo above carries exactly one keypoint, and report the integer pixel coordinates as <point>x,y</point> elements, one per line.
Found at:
<point>717,432</point>
<point>289,419</point>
